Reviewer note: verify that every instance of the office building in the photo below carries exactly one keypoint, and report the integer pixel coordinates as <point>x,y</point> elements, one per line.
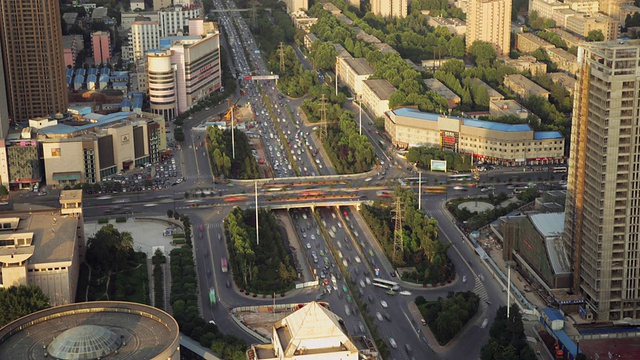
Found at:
<point>144,36</point>
<point>101,44</point>
<point>489,21</point>
<point>603,211</point>
<point>185,70</point>
<point>45,248</point>
<point>174,20</point>
<point>88,147</point>
<point>31,41</point>
<point>506,144</point>
<point>312,332</point>
<point>389,8</point>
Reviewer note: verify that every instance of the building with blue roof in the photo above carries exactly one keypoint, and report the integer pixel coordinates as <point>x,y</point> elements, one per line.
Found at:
<point>87,147</point>
<point>92,79</point>
<point>486,141</point>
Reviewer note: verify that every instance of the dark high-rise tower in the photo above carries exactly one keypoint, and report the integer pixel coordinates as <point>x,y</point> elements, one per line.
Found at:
<point>31,42</point>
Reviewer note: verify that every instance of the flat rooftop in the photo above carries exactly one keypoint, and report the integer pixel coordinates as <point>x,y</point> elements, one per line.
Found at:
<point>53,236</point>
<point>359,65</point>
<point>382,88</point>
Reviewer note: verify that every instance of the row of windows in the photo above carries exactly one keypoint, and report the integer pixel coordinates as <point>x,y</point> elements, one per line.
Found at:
<point>48,269</point>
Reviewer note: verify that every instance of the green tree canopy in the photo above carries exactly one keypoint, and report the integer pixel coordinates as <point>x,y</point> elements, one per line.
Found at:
<point>109,249</point>
<point>18,301</point>
<point>482,53</point>
<point>595,35</point>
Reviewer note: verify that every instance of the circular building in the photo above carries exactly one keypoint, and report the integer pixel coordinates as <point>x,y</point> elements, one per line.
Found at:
<point>92,330</point>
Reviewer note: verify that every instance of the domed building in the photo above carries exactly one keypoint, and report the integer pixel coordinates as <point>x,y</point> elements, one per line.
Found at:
<point>92,330</point>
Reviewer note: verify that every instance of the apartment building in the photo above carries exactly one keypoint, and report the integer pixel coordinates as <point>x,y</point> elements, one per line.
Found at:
<point>527,63</point>
<point>566,81</point>
<point>101,46</point>
<point>584,6</point>
<point>583,24</point>
<point>174,20</point>
<point>389,8</point>
<point>528,42</point>
<point>454,25</point>
<point>565,60</point>
<point>546,8</point>
<point>602,211</point>
<point>523,87</point>
<point>144,36</point>
<point>31,43</point>
<point>489,21</point>
<point>375,96</point>
<point>352,72</point>
<point>441,89</point>
<point>296,5</point>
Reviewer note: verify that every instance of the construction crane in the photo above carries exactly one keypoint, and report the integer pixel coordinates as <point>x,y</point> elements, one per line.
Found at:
<point>231,107</point>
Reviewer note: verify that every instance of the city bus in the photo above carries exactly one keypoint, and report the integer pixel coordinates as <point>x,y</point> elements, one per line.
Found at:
<point>435,189</point>
<point>212,297</point>
<point>386,284</point>
<point>560,169</point>
<point>460,177</point>
<point>519,189</point>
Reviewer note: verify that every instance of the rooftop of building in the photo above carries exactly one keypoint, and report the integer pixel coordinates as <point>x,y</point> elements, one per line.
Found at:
<point>359,65</point>
<point>442,21</point>
<point>313,329</point>
<point>52,237</point>
<point>493,93</point>
<point>91,120</point>
<point>149,332</point>
<point>382,88</point>
<point>70,17</point>
<point>342,52</point>
<point>440,89</point>
<point>526,84</point>
<point>481,124</point>
<point>547,135</point>
<point>549,224</point>
<point>385,48</point>
<point>99,13</point>
<point>562,79</point>
<point>533,38</point>
<point>564,54</point>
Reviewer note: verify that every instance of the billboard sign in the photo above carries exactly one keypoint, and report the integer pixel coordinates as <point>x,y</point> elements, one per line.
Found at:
<point>439,165</point>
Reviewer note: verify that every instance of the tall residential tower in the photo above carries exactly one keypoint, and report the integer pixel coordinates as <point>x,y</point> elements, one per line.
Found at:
<point>602,223</point>
<point>31,41</point>
<point>489,21</point>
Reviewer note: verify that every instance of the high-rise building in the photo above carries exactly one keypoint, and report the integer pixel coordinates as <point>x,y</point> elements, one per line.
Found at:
<point>489,21</point>
<point>602,224</point>
<point>389,8</point>
<point>144,35</point>
<point>31,37</point>
<point>296,5</point>
<point>185,70</point>
<point>174,20</point>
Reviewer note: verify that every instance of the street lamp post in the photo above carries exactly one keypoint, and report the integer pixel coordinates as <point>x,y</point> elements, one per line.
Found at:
<point>360,106</point>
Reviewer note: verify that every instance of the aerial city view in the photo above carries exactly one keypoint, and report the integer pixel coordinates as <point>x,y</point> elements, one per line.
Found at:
<point>322,180</point>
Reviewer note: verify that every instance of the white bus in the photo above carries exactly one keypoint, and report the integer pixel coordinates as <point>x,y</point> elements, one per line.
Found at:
<point>560,169</point>
<point>386,284</point>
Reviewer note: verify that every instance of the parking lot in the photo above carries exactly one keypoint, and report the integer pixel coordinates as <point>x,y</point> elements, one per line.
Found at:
<point>149,177</point>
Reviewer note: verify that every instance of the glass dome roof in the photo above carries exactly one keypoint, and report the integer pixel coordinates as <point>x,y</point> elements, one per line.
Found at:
<point>84,342</point>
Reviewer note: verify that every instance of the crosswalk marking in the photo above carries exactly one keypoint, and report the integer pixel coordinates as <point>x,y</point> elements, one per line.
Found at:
<point>481,291</point>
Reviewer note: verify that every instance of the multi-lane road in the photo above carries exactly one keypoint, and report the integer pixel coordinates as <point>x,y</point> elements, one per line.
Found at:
<point>338,235</point>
